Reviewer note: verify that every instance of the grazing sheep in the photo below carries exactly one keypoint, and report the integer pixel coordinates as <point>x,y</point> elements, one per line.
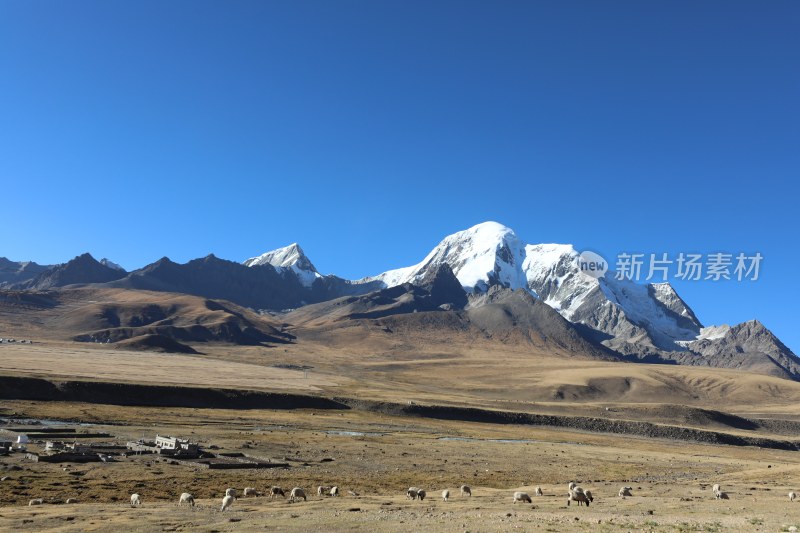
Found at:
<point>412,493</point>
<point>578,495</point>
<point>227,501</point>
<point>276,491</point>
<point>36,501</point>
<point>721,495</point>
<point>588,494</point>
<point>296,494</point>
<point>421,494</point>
<point>186,498</point>
<point>322,490</point>
<point>334,491</point>
<point>465,490</point>
<point>539,492</point>
<point>230,492</point>
<point>352,493</point>
<point>445,495</point>
<point>136,500</point>
<point>625,491</point>
<point>715,487</point>
<point>792,496</point>
<point>522,497</point>
<point>249,491</point>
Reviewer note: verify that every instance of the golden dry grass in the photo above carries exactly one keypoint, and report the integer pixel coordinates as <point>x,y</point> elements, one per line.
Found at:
<point>77,362</point>
<point>670,480</point>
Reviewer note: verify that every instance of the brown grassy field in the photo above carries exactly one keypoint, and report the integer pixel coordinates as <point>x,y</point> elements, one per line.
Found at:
<point>378,455</point>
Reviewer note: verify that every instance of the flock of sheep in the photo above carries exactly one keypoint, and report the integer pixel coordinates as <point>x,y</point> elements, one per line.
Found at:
<point>574,494</point>
<point>230,495</point>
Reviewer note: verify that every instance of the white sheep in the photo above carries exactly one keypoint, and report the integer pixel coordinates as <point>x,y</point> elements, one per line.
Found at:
<point>136,500</point>
<point>186,498</point>
<point>352,493</point>
<point>571,485</point>
<point>276,491</point>
<point>715,487</point>
<point>522,497</point>
<point>296,494</point>
<point>577,494</point>
<point>249,491</point>
<point>445,495</point>
<point>227,501</point>
<point>466,490</point>
<point>230,492</point>
<point>322,490</point>
<point>539,492</point>
<point>625,491</point>
<point>36,501</point>
<point>412,492</point>
<point>334,491</point>
<point>718,494</point>
<point>792,496</point>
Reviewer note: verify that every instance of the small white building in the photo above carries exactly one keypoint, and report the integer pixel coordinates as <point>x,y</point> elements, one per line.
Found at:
<point>175,446</point>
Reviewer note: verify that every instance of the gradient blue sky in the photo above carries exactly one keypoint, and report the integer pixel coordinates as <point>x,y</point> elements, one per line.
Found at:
<point>366,131</point>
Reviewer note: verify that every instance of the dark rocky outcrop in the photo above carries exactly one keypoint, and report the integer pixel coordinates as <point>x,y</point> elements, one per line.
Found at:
<point>83,269</point>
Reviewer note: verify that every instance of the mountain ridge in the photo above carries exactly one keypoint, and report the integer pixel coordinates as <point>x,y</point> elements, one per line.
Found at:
<point>640,322</point>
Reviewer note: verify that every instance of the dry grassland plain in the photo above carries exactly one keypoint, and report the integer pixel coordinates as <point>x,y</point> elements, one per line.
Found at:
<point>378,455</point>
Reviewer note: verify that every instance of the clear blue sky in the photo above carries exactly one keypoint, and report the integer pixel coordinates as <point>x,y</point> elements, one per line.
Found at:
<point>367,131</point>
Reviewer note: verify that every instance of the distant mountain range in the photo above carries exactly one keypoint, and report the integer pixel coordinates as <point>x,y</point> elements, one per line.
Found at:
<point>472,273</point>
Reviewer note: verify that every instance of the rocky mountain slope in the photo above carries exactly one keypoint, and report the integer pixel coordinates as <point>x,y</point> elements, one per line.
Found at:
<point>12,272</point>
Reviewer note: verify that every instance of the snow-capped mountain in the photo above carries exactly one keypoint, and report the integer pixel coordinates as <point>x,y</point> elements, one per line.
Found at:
<point>647,316</point>
<point>289,257</point>
<point>481,256</point>
<point>621,310</point>
<point>640,321</point>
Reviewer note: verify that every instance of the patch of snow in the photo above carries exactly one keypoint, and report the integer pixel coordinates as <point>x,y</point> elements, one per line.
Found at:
<point>111,264</point>
<point>709,333</point>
